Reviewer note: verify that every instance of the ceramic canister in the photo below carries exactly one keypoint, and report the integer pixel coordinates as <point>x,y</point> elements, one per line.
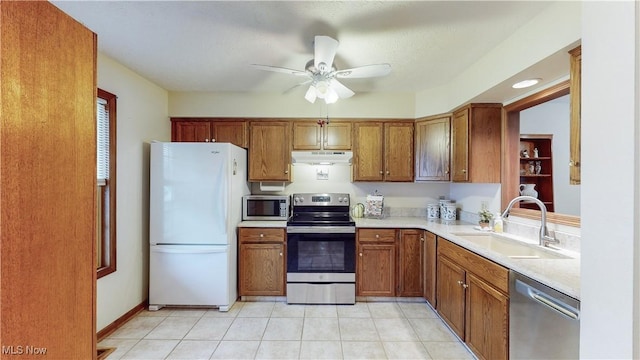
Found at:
<point>443,204</point>
<point>449,212</point>
<point>433,211</point>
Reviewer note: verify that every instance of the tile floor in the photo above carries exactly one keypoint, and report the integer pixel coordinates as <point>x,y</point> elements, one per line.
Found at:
<point>275,330</point>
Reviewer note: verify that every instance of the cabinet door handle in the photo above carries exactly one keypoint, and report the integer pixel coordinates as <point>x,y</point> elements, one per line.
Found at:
<point>261,235</point>
<point>464,171</point>
<point>280,254</point>
<point>377,236</point>
<point>286,171</point>
<point>387,172</point>
<point>381,172</point>
<point>460,282</point>
<point>465,286</point>
<point>421,238</point>
<point>360,254</point>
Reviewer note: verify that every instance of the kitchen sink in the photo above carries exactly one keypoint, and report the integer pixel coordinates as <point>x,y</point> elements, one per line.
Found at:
<point>512,248</point>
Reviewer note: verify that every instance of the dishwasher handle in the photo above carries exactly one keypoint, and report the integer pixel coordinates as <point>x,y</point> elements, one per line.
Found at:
<point>550,302</point>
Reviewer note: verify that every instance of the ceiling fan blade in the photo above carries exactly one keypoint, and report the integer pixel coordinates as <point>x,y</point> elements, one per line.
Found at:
<point>365,71</point>
<point>296,85</point>
<point>342,91</point>
<point>324,52</point>
<point>280,70</point>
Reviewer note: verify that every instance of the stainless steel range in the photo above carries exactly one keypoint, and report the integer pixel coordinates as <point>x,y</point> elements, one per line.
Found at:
<point>321,250</point>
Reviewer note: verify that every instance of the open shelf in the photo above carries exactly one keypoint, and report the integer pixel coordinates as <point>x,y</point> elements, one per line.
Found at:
<point>537,170</point>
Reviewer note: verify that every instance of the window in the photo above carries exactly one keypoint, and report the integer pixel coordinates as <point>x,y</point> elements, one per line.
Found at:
<point>106,191</point>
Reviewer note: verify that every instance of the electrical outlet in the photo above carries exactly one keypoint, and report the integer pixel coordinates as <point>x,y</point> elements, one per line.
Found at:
<point>484,204</point>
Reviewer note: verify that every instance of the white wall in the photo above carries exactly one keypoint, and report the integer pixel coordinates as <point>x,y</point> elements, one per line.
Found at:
<point>610,188</point>
<point>142,109</point>
<point>552,117</point>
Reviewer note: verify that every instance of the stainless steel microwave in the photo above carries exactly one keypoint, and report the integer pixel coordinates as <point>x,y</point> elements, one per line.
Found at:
<point>265,207</point>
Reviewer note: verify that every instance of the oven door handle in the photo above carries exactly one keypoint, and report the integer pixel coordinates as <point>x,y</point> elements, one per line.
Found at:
<point>321,229</point>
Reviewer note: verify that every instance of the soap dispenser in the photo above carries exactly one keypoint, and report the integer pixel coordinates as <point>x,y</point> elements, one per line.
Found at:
<point>497,223</point>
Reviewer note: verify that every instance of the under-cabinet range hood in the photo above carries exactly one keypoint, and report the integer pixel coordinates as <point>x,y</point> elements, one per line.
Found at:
<point>322,157</point>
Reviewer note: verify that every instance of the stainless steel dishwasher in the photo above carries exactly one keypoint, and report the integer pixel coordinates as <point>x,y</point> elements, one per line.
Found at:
<point>543,323</point>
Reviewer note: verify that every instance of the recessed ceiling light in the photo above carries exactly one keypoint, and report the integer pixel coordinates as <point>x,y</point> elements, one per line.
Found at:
<point>525,83</point>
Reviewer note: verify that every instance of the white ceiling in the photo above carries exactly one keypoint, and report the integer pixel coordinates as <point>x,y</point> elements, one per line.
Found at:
<point>209,45</point>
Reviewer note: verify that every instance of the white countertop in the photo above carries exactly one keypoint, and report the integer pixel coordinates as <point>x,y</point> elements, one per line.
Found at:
<point>560,274</point>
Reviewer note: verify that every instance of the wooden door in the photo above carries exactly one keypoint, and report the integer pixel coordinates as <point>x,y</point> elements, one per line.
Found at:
<point>48,183</point>
<point>460,146</point>
<point>262,270</point>
<point>191,131</point>
<point>306,135</point>
<point>484,143</point>
<point>368,160</point>
<point>451,297</point>
<point>410,282</point>
<point>269,151</point>
<point>433,148</point>
<point>337,135</point>
<point>234,132</point>
<point>487,320</point>
<point>398,152</point>
<point>429,266</point>
<point>376,270</point>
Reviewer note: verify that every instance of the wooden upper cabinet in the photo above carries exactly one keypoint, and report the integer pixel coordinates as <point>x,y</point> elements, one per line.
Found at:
<point>574,128</point>
<point>433,148</point>
<point>476,143</point>
<point>368,160</point>
<point>308,135</point>
<point>270,151</point>
<point>383,151</point>
<point>209,130</point>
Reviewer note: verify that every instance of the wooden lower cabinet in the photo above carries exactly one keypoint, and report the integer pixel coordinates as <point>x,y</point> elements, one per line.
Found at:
<point>472,298</point>
<point>376,262</point>
<point>429,267</point>
<point>411,257</point>
<point>262,262</point>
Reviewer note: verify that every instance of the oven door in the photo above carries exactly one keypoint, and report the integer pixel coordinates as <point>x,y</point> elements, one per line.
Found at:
<point>321,249</point>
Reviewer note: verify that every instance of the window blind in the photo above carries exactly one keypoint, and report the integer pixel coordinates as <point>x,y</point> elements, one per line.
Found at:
<point>103,142</point>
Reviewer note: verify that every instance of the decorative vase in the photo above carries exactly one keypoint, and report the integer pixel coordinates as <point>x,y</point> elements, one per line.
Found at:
<point>484,224</point>
<point>528,190</point>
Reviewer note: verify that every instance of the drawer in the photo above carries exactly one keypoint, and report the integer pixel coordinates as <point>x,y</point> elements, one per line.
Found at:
<point>258,235</point>
<point>376,235</point>
<point>494,274</point>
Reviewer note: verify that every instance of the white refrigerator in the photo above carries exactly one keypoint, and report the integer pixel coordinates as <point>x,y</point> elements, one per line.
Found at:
<point>195,205</point>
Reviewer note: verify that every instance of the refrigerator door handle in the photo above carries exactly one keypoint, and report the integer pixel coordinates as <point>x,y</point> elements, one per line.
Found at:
<point>188,250</point>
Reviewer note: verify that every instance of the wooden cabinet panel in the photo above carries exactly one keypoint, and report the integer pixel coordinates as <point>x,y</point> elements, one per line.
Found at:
<point>262,262</point>
<point>410,279</point>
<point>433,148</point>
<point>307,135</point>
<point>487,320</point>
<point>472,298</point>
<point>368,158</point>
<point>261,270</point>
<point>377,235</point>
<point>575,75</point>
<point>191,131</point>
<point>376,270</point>
<point>270,151</point>
<point>398,151</point>
<point>234,132</point>
<point>451,297</point>
<point>476,143</point>
<point>209,130</point>
<point>337,135</point>
<point>429,266</point>
<point>383,151</point>
<point>48,185</point>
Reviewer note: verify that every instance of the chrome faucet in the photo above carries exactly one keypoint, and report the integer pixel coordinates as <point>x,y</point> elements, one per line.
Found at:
<point>545,239</point>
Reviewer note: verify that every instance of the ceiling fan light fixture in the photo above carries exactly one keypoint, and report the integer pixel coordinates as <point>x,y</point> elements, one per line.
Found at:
<point>311,94</point>
<point>322,89</point>
<point>526,83</point>
<point>331,97</point>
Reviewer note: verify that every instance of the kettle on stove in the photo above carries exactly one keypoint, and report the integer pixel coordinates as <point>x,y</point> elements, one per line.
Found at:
<point>358,210</point>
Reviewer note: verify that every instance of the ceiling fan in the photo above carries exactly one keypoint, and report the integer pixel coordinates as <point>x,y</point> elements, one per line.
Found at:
<point>322,74</point>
